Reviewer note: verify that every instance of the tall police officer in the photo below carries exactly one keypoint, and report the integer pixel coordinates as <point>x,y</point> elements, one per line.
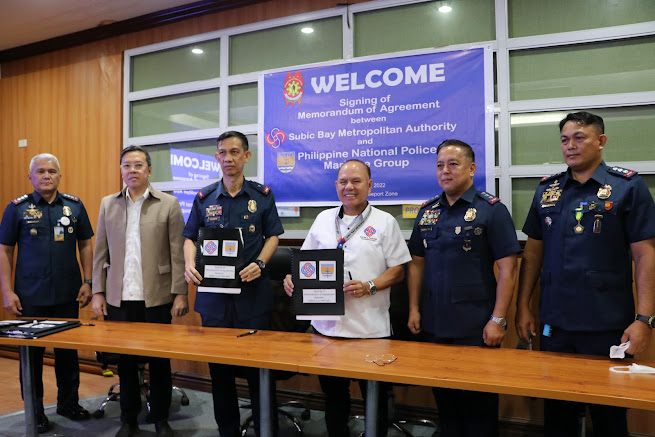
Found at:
<point>457,237</point>
<point>585,226</point>
<point>48,226</point>
<point>230,203</point>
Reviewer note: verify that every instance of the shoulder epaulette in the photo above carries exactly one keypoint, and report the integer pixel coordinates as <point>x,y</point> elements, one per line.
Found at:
<point>551,177</point>
<point>428,202</point>
<point>208,190</point>
<point>19,199</point>
<point>620,171</point>
<point>488,197</point>
<point>264,189</point>
<point>70,197</point>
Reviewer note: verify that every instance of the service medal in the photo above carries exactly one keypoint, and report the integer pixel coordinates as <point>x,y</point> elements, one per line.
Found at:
<point>252,206</point>
<point>67,211</point>
<point>470,214</point>
<point>578,229</point>
<point>33,231</point>
<point>604,192</point>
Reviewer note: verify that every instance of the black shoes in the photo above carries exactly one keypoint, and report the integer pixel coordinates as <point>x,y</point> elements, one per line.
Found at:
<point>128,430</point>
<point>163,429</point>
<point>74,412</point>
<point>42,423</point>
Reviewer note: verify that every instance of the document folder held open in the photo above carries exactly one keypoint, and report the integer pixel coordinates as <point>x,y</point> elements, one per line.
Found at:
<point>219,259</point>
<point>318,284</point>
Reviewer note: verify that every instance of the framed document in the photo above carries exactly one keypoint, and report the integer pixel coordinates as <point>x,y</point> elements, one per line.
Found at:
<point>317,284</point>
<point>219,259</point>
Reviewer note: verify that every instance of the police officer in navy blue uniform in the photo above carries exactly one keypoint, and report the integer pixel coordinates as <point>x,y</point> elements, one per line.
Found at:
<point>457,238</point>
<point>585,227</point>
<point>48,226</point>
<point>235,202</point>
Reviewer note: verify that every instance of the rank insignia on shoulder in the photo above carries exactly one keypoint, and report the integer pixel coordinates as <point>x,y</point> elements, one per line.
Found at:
<point>201,195</point>
<point>626,173</point>
<point>71,197</point>
<point>427,202</point>
<point>553,176</point>
<point>19,199</point>
<point>488,197</point>
<point>264,189</point>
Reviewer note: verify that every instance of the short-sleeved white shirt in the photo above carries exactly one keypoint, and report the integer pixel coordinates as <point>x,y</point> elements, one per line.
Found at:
<point>377,245</point>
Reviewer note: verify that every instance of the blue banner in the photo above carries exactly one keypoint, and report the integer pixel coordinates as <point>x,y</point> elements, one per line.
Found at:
<point>390,113</point>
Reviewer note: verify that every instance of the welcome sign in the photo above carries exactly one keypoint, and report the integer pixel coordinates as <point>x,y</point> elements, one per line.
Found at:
<point>390,113</point>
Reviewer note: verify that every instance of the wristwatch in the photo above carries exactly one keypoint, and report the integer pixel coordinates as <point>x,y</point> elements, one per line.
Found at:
<point>88,281</point>
<point>372,289</point>
<point>502,321</point>
<point>261,264</point>
<point>649,320</point>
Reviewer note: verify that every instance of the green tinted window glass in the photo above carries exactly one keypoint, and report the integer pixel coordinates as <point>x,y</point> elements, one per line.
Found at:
<point>650,181</point>
<point>522,193</point>
<point>179,113</point>
<point>169,67</point>
<point>309,214</point>
<point>243,104</point>
<point>286,45</point>
<point>422,26</point>
<point>201,157</point>
<point>580,70</point>
<point>630,132</point>
<point>526,18</point>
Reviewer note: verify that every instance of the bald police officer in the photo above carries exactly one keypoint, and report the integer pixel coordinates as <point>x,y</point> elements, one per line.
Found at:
<point>48,226</point>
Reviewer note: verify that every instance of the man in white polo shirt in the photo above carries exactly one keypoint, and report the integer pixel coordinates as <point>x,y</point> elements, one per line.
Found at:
<point>374,256</point>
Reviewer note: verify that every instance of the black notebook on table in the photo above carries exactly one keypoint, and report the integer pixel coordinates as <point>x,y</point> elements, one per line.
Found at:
<point>219,259</point>
<point>35,329</point>
<point>318,284</point>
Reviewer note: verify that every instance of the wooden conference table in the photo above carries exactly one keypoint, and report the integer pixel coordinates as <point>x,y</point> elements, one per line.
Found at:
<point>506,371</point>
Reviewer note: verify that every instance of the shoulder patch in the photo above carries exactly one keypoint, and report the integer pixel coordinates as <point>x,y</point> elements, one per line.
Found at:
<point>488,197</point>
<point>19,199</point>
<point>70,197</point>
<point>264,189</point>
<point>551,177</point>
<point>620,171</point>
<point>427,202</point>
<point>208,190</point>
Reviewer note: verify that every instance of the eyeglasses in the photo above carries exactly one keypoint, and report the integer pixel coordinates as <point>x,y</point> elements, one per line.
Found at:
<point>381,360</point>
<point>138,166</point>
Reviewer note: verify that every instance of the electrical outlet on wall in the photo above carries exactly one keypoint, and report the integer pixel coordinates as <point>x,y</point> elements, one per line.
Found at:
<point>22,143</point>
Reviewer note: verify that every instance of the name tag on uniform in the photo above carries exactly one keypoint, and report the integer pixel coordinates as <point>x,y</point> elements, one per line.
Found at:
<point>59,233</point>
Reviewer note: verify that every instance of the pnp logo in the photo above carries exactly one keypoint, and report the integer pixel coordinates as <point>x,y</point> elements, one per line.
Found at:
<point>293,91</point>
<point>370,231</point>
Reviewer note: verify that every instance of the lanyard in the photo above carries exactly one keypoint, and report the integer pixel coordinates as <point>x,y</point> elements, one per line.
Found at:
<point>342,240</point>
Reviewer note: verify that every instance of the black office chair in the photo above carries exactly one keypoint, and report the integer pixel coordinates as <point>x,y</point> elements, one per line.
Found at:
<point>113,395</point>
<point>282,319</point>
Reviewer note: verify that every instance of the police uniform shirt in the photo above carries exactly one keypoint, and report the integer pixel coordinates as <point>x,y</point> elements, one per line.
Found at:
<point>586,280</point>
<point>377,245</point>
<point>252,209</point>
<point>460,244</point>
<point>47,271</point>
